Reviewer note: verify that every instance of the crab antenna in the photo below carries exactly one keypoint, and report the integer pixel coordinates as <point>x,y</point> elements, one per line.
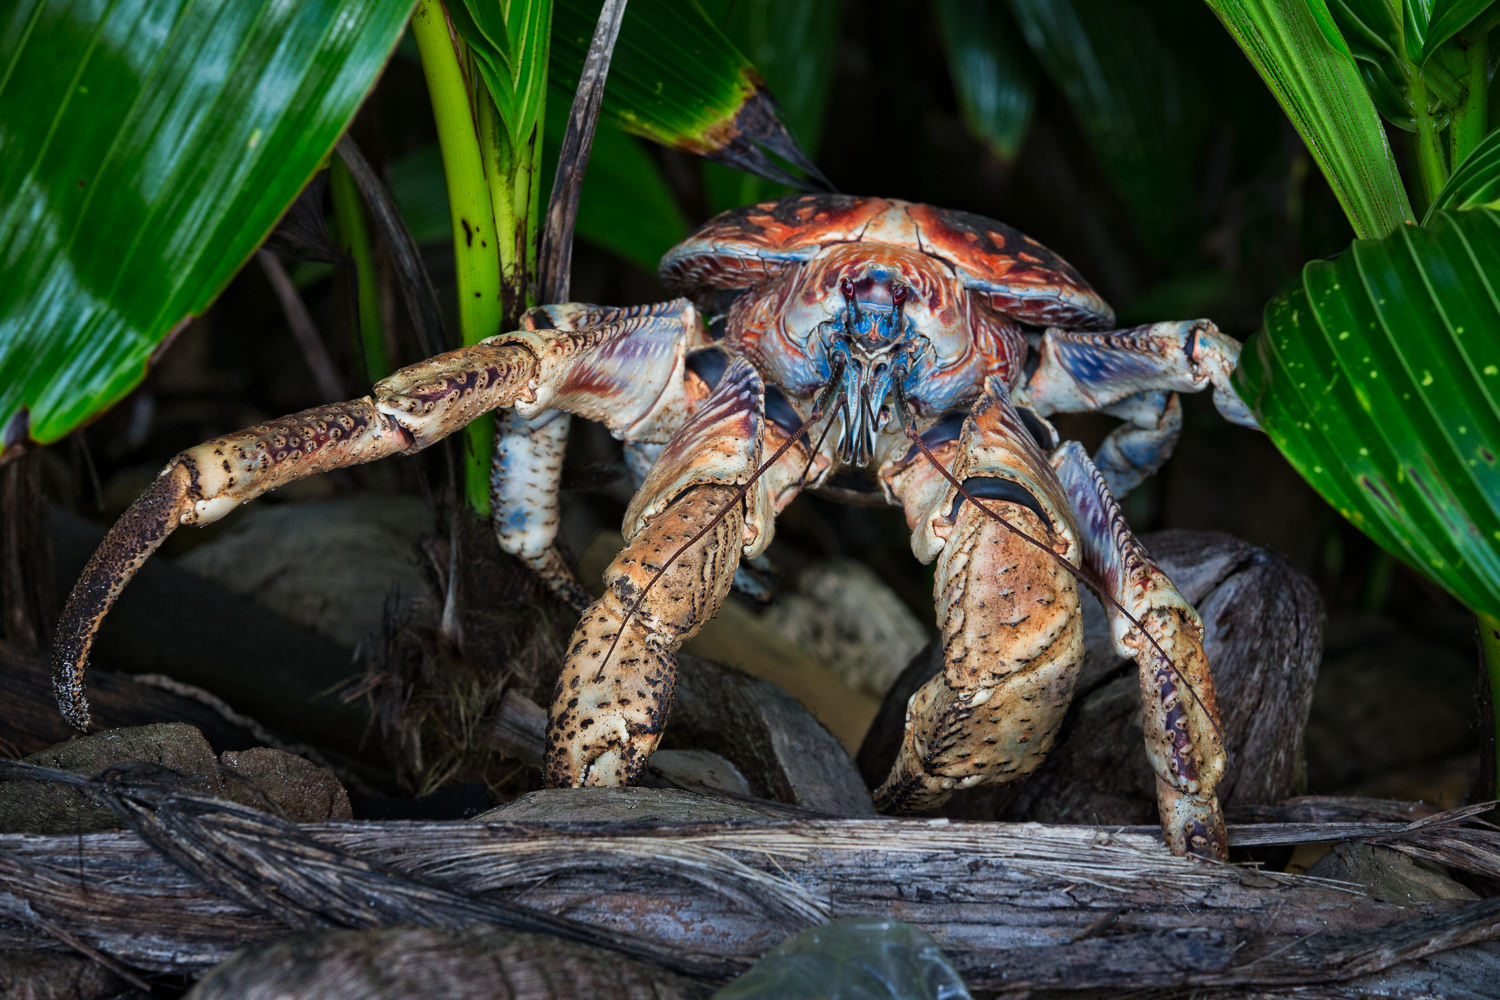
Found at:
<point>909,426</point>
<point>713,522</point>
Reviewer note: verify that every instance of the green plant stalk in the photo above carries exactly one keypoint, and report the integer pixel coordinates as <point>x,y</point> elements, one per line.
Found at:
<point>1432,158</point>
<point>476,249</point>
<point>1489,648</point>
<point>354,240</point>
<point>512,173</point>
<point>1471,117</point>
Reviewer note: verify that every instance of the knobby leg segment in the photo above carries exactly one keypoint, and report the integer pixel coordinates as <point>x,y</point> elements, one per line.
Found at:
<point>1012,634</point>
<point>1184,741</point>
<point>407,412</point>
<point>684,532</point>
<point>1012,640</point>
<point>616,687</point>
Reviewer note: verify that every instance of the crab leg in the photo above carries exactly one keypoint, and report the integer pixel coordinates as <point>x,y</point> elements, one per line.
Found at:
<point>1135,374</point>
<point>622,367</point>
<point>1137,448</point>
<point>685,531</point>
<point>631,383</point>
<point>525,471</point>
<point>1184,739</point>
<point>1011,630</point>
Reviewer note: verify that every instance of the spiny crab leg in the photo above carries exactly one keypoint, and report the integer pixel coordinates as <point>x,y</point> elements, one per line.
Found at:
<point>407,412</point>
<point>620,367</point>
<point>1184,737</point>
<point>619,674</point>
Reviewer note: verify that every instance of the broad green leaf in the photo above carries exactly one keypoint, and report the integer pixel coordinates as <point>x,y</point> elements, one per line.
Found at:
<point>1378,376</point>
<point>1319,87</point>
<point>149,148</point>
<point>1449,17</point>
<point>675,79</point>
<point>1476,182</point>
<point>995,81</point>
<point>791,44</point>
<point>1124,82</point>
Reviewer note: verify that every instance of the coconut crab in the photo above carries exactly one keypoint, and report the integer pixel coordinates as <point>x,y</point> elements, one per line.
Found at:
<point>820,332</point>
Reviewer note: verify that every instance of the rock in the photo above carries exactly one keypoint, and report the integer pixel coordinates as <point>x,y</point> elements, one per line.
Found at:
<point>843,615</point>
<point>262,778</point>
<point>329,565</point>
<point>728,732</point>
<point>784,753</point>
<point>37,807</point>
<point>290,786</point>
<point>696,771</point>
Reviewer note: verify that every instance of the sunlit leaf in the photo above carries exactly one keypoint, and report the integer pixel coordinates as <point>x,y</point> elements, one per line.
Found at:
<point>1476,182</point>
<point>992,75</point>
<point>1319,87</point>
<point>1378,376</point>
<point>677,80</point>
<point>149,148</point>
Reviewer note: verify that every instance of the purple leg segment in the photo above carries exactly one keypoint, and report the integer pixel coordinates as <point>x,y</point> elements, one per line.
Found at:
<point>1135,374</point>
<point>1180,715</point>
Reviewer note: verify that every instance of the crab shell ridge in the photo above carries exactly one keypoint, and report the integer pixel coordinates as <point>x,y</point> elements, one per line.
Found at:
<point>746,247</point>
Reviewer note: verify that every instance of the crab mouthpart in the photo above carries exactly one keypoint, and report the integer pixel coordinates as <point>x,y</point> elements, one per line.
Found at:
<point>866,376</point>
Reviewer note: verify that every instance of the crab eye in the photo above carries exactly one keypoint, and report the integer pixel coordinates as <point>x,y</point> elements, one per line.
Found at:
<point>899,295</point>
<point>846,288</point>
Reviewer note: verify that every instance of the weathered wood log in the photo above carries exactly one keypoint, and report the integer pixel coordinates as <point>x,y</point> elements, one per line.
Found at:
<point>477,963</point>
<point>1017,907</point>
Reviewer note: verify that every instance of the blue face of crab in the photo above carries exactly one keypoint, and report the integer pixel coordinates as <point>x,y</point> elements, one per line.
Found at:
<point>868,347</point>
